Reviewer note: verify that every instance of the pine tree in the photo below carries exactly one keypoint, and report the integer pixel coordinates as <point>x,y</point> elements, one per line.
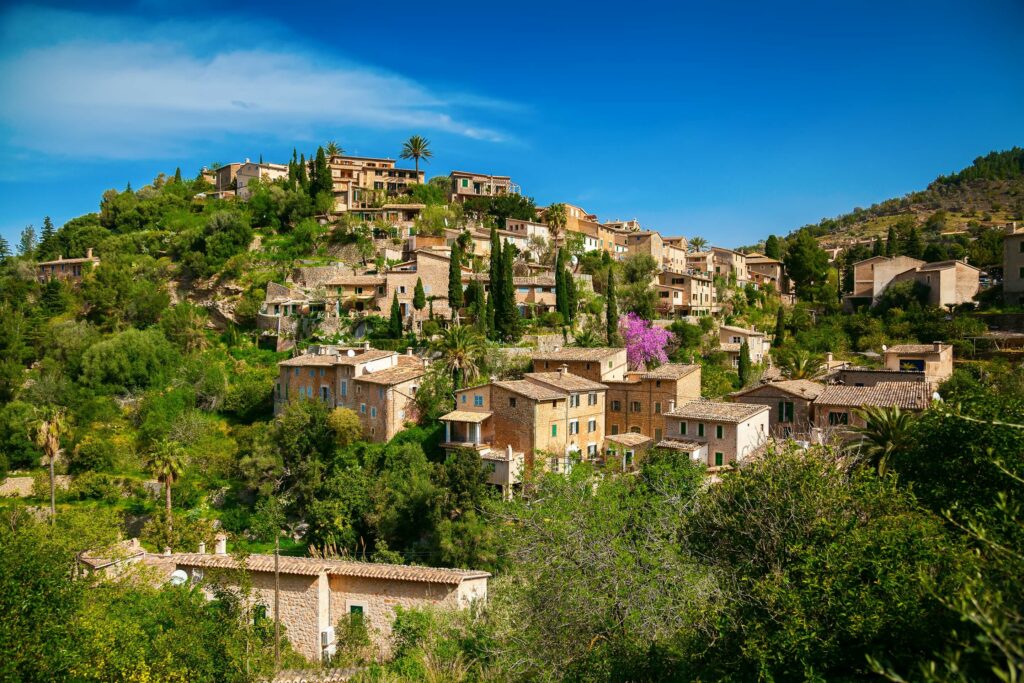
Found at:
<point>744,365</point>
<point>177,174</point>
<point>913,246</point>
<point>560,302</point>
<point>455,295</point>
<point>505,305</point>
<point>772,248</point>
<point>46,238</point>
<point>27,241</point>
<point>395,323</point>
<point>301,175</point>
<point>890,242</point>
<point>52,298</point>
<point>419,297</point>
<point>5,248</point>
<point>780,327</point>
<point>611,310</point>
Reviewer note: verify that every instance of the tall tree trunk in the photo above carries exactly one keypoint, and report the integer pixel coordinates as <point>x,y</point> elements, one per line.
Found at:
<point>170,522</point>
<point>53,492</point>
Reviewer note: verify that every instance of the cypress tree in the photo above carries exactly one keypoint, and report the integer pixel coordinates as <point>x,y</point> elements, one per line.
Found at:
<point>301,174</point>
<point>780,327</point>
<point>5,248</point>
<point>323,173</point>
<point>571,297</point>
<point>611,310</point>
<point>177,174</point>
<point>455,297</point>
<point>744,365</point>
<point>395,323</point>
<point>772,249</point>
<point>46,237</point>
<point>877,249</point>
<point>913,246</point>
<point>890,241</point>
<point>506,305</point>
<point>560,304</point>
<point>419,297</point>
<point>496,284</point>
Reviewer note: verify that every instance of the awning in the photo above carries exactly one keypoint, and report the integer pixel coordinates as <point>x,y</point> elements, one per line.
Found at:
<point>464,416</point>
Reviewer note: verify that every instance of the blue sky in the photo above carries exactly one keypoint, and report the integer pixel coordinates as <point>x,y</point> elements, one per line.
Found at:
<point>728,120</point>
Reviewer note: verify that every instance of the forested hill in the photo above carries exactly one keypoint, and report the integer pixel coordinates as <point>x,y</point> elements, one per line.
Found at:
<point>988,192</point>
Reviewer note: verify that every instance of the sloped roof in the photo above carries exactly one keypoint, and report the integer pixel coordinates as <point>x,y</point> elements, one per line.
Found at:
<point>628,439</point>
<point>802,388</point>
<point>465,416</point>
<point>685,446</point>
<point>532,390</point>
<point>395,375</point>
<point>906,395</point>
<point>720,411</point>
<point>567,381</point>
<point>914,348</point>
<point>670,371</point>
<point>742,330</point>
<point>578,354</point>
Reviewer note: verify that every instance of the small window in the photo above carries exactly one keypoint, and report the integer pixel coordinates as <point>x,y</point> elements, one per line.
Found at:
<point>464,398</point>
<point>719,459</point>
<point>635,406</point>
<point>719,432</point>
<point>592,399</point>
<point>362,408</point>
<point>838,418</point>
<point>465,182</point>
<point>657,407</point>
<point>574,427</point>
<point>512,402</point>
<point>478,401</point>
<point>617,406</point>
<point>312,372</point>
<point>634,430</point>
<point>373,411</point>
<point>700,429</point>
<point>615,429</point>
<point>592,425</point>
<point>574,400</point>
<point>657,434</point>
<point>682,428</point>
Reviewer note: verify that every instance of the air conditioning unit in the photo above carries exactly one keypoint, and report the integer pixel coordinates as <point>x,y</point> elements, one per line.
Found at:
<point>328,642</point>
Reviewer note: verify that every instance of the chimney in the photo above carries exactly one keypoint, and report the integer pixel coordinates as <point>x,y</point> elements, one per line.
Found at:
<point>222,544</point>
<point>60,257</point>
<point>563,370</point>
<point>202,547</point>
<point>247,160</point>
<point>408,352</point>
<point>938,346</point>
<point>167,551</point>
<point>88,253</point>
<point>508,452</point>
<point>366,346</point>
<point>671,404</point>
<point>828,359</point>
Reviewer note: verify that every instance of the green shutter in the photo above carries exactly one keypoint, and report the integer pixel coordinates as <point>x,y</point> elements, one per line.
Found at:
<point>718,459</point>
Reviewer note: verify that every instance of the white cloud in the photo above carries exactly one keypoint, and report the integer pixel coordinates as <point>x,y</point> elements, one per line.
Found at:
<point>77,84</point>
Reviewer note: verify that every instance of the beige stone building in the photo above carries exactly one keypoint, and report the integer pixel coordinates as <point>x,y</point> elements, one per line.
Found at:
<point>949,283</point>
<point>685,293</point>
<point>716,433</point>
<point>732,338</point>
<point>362,183</point>
<point>646,242</point>
<point>546,419</point>
<point>790,404</point>
<point>1013,265</point>
<point>637,403</point>
<point>249,171</point>
<point>729,263</point>
<point>465,185</point>
<point>317,595</point>
<point>701,262</point>
<point>600,365</point>
<point>68,270</point>
<point>765,271</point>
<point>934,360</point>
<point>379,386</point>
<point>836,407</point>
<point>674,254</point>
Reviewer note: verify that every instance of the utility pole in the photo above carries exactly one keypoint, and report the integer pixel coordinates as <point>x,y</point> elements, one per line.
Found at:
<point>277,602</point>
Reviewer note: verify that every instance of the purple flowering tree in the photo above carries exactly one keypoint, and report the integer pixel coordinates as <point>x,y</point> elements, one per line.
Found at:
<point>645,344</point>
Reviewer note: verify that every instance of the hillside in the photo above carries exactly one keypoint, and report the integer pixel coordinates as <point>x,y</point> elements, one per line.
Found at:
<point>988,193</point>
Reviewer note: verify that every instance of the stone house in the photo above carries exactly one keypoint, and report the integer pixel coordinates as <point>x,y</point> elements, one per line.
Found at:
<point>934,360</point>
<point>949,283</point>
<point>686,293</point>
<point>363,182</point>
<point>598,364</point>
<point>732,338</point>
<point>647,242</point>
<point>68,270</point>
<point>626,448</point>
<point>729,263</point>
<point>835,408</point>
<point>674,254</point>
<point>546,419</point>
<point>790,404</point>
<point>766,271</point>
<point>1013,264</point>
<point>701,262</point>
<point>716,433</point>
<point>463,185</point>
<point>316,595</point>
<point>636,403</point>
<point>855,376</point>
<point>380,386</point>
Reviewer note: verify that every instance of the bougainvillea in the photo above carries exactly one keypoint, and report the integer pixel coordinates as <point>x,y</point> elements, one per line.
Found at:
<point>645,344</point>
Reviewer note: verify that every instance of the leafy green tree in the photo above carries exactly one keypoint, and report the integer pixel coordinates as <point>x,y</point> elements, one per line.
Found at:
<point>395,321</point>
<point>891,242</point>
<point>184,325</point>
<point>5,249</point>
<point>912,245</point>
<point>346,426</point>
<point>806,263</point>
<point>27,242</point>
<point>611,308</point>
<point>416,147</point>
<point>419,297</point>
<point>128,361</point>
<point>877,247</point>
<point>773,247</point>
<point>744,368</point>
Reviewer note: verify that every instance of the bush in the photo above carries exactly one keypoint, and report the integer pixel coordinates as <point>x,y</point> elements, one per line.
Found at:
<point>95,486</point>
<point>128,361</point>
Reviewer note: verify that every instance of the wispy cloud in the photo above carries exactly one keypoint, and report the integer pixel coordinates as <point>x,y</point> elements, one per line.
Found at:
<point>74,83</point>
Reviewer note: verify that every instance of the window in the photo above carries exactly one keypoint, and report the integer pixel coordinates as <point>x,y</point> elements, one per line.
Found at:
<point>574,427</point>
<point>634,430</point>
<point>657,435</point>
<point>592,425</point>
<point>322,372</point>
<point>373,411</point>
<point>380,392</point>
<point>700,429</point>
<point>838,418</point>
<point>592,450</point>
<point>635,406</point>
<point>312,372</point>
<point>785,411</point>
<point>554,430</point>
<point>574,400</point>
<point>344,388</point>
<point>719,459</point>
<point>512,402</point>
<point>592,399</point>
<point>401,289</point>
<point>1021,245</point>
<point>478,401</point>
<point>362,408</point>
<point>682,428</point>
<point>615,429</point>
<point>719,432</point>
<point>465,182</point>
<point>617,406</point>
<point>1021,273</point>
<point>464,398</point>
<point>609,363</point>
<point>657,407</point>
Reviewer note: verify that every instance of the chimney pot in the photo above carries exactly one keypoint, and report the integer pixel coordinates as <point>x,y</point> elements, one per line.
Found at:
<point>88,253</point>
<point>366,346</point>
<point>563,370</point>
<point>828,358</point>
<point>671,405</point>
<point>202,547</point>
<point>167,551</point>
<point>938,346</point>
<point>222,544</point>
<point>508,451</point>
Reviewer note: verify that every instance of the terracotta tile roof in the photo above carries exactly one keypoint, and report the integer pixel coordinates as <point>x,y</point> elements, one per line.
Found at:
<point>357,280</point>
<point>309,360</point>
<point>534,281</point>
<point>568,381</point>
<point>628,439</point>
<point>340,358</point>
<point>803,388</point>
<point>93,259</point>
<point>119,552</point>
<point>718,411</point>
<point>670,371</point>
<point>578,354</point>
<point>685,446</point>
<point>311,566</point>
<point>914,348</point>
<point>742,330</point>
<point>391,376</point>
<point>532,390</point>
<point>907,395</point>
<point>465,416</point>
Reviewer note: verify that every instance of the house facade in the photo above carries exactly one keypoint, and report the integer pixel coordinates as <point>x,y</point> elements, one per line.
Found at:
<point>729,264</point>
<point>366,182</point>
<point>836,407</point>
<point>68,270</point>
<point>637,403</point>
<point>732,338</point>
<point>717,433</point>
<point>934,360</point>
<point>463,185</point>
<point>1013,264</point>
<point>790,405</point>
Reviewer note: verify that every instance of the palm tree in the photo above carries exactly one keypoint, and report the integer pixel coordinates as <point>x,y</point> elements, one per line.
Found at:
<point>417,147</point>
<point>697,243</point>
<point>333,149</point>
<point>885,431</point>
<point>799,364</point>
<point>556,219</point>
<point>587,339</point>
<point>167,463</point>
<point>48,435</point>
<point>462,351</point>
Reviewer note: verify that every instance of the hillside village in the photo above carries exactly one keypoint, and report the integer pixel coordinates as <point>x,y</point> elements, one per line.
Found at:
<point>357,379</point>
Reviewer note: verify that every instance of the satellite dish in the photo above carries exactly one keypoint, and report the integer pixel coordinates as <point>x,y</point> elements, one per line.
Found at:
<point>884,348</point>
<point>178,577</point>
<point>936,397</point>
<point>350,353</point>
